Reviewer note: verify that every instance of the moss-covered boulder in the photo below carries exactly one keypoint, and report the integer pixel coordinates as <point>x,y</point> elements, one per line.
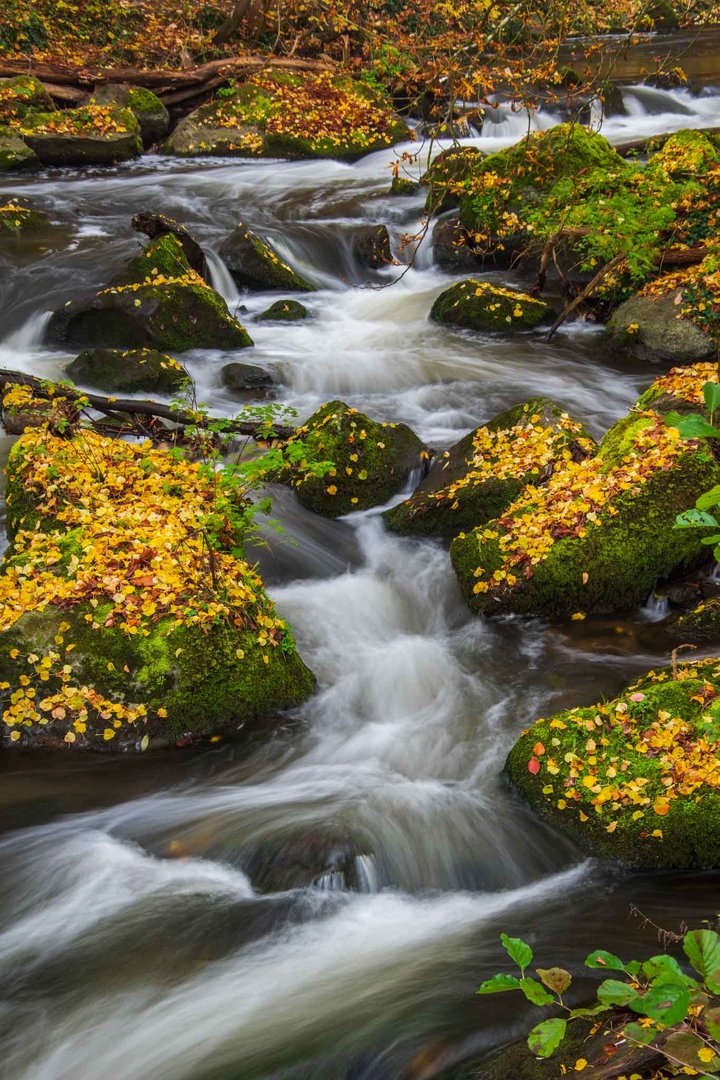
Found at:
<point>371,461</point>
<point>16,218</point>
<point>21,96</point>
<point>14,153</point>
<point>446,174</point>
<point>129,371</point>
<point>478,478</point>
<point>480,305</point>
<point>146,107</point>
<point>451,246</point>
<point>284,311</point>
<point>598,536</point>
<point>246,379</point>
<point>652,327</point>
<point>254,264</point>
<point>117,632</point>
<point>636,778</point>
<point>685,155</point>
<point>159,302</point>
<point>403,185</point>
<point>287,115</point>
<point>91,135</point>
<point>702,623</point>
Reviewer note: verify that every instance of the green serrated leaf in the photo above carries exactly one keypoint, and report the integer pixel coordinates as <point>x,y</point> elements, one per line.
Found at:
<point>685,1047</point>
<point>604,960</point>
<point>692,426</point>
<point>667,1003</point>
<point>498,984</point>
<point>695,519</point>
<point>544,1039</point>
<point>535,992</point>
<point>555,978</point>
<point>518,950</point>
<point>702,948</point>
<point>709,498</point>
<point>614,992</point>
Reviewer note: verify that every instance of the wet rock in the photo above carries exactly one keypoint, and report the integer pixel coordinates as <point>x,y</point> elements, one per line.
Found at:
<point>635,778</point>
<point>128,668</point>
<point>449,167</point>
<point>14,153</point>
<point>702,624</point>
<point>370,461</point>
<point>92,135</point>
<point>598,536</point>
<point>279,114</point>
<point>284,311</point>
<point>254,264</point>
<point>478,478</point>
<point>371,246</point>
<point>652,328</point>
<point>146,107</point>
<point>17,217</point>
<point>129,371</point>
<point>684,156</point>
<point>157,225</point>
<point>402,185</point>
<point>245,378</point>
<point>450,245</point>
<point>159,302</point>
<point>479,305</point>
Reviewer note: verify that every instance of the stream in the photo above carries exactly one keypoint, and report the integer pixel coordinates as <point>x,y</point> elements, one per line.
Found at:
<point>323,901</point>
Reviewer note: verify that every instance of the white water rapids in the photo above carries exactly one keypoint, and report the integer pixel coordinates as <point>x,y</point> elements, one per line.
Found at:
<point>322,903</point>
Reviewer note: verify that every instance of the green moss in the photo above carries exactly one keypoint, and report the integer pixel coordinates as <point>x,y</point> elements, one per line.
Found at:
<point>130,371</point>
<point>255,264</point>
<point>371,461</point>
<point>284,311</point>
<point>702,623</point>
<point>16,219</point>
<point>634,792</point>
<point>14,154</point>
<point>21,96</point>
<point>478,305</point>
<point>164,256</point>
<point>686,154</point>
<point>142,100</point>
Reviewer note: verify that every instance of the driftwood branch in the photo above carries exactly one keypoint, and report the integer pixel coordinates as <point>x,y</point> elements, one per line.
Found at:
<point>128,407</point>
<point>587,291</point>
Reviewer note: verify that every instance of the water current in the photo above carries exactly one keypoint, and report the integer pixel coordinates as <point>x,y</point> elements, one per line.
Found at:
<point>322,902</point>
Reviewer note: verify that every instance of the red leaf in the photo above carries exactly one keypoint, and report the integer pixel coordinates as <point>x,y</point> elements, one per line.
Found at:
<point>534,765</point>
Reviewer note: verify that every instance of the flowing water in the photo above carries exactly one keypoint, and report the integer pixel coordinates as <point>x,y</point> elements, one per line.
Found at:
<point>323,902</point>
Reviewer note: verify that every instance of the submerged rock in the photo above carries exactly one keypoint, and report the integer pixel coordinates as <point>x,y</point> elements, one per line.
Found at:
<point>478,478</point>
<point>129,370</point>
<point>370,461</point>
<point>371,246</point>
<point>112,633</point>
<point>246,378</point>
<point>653,328</point>
<point>480,305</point>
<point>146,107</point>
<point>635,778</point>
<point>254,263</point>
<point>278,114</point>
<point>16,218</point>
<point>159,302</point>
<point>91,135</point>
<point>284,311</point>
<point>598,536</point>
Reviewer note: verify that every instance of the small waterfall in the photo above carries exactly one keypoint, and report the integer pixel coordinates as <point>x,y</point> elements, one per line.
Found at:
<point>332,881</point>
<point>656,608</point>
<point>650,101</point>
<point>30,334</point>
<point>222,280</point>
<point>366,874</point>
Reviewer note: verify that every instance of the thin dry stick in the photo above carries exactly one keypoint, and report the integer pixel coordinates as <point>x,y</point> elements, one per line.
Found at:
<point>589,288</point>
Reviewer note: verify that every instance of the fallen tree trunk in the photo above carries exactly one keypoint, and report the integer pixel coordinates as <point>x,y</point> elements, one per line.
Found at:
<point>163,82</point>
<point>129,408</point>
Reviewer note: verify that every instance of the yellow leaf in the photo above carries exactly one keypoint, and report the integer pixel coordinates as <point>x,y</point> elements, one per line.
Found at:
<point>108,734</point>
<point>580,1064</point>
<point>706,1054</point>
<point>578,616</point>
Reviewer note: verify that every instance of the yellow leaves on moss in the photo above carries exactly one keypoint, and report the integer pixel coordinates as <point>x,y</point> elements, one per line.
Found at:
<point>95,120</point>
<point>573,500</point>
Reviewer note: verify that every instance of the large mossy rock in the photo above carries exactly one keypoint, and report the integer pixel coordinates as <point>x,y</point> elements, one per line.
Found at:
<point>146,107</point>
<point>636,778</point>
<point>129,371</point>
<point>653,328</point>
<point>254,264</point>
<point>445,175</point>
<point>598,536</point>
<point>159,302</point>
<point>115,631</point>
<point>371,461</point>
<point>478,478</point>
<point>14,153</point>
<point>21,96</point>
<point>91,135</point>
<point>287,115</point>
<point>685,155</point>
<point>480,305</point>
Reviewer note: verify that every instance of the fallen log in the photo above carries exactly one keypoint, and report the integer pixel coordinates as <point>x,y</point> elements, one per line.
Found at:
<point>162,81</point>
<point>121,408</point>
